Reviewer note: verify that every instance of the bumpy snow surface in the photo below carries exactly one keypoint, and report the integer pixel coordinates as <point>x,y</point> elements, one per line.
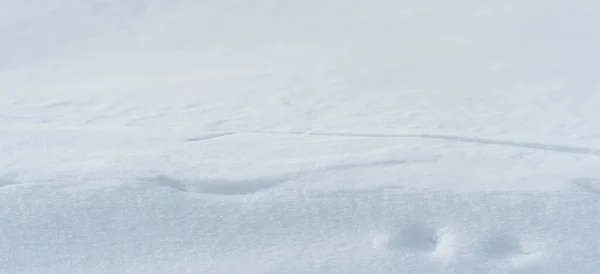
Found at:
<point>380,136</point>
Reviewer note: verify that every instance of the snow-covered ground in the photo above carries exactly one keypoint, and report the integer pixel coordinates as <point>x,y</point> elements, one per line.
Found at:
<point>381,136</point>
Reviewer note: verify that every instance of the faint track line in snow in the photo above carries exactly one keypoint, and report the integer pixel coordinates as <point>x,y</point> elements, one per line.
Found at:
<point>59,104</point>
<point>383,163</point>
<point>209,137</point>
<point>531,145</point>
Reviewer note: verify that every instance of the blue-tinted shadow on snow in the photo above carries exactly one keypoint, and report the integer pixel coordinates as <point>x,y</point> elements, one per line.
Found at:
<point>251,186</point>
<point>217,187</point>
<point>590,185</point>
<point>4,183</point>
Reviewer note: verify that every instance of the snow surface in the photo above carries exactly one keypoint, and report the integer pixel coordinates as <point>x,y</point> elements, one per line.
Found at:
<point>378,136</point>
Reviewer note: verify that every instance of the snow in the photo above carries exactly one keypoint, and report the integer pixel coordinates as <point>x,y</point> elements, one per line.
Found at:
<point>265,136</point>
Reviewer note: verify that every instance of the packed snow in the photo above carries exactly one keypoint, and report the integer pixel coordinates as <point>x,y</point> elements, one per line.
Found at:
<point>381,136</point>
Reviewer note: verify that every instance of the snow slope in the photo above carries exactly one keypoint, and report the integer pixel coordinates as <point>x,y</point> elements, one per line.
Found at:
<point>266,136</point>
